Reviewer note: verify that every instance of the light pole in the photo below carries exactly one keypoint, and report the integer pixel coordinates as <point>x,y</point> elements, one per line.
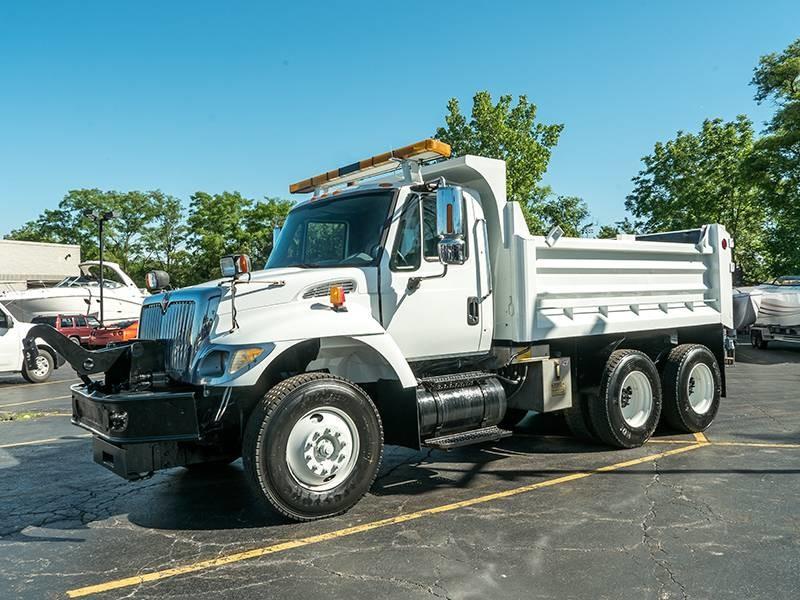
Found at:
<point>100,218</point>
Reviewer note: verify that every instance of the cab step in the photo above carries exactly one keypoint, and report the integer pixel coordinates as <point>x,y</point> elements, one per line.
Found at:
<point>467,438</point>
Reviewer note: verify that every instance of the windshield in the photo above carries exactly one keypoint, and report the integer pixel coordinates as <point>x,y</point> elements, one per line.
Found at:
<point>336,232</point>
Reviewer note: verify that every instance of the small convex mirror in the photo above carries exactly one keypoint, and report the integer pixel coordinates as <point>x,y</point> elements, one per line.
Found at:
<point>156,281</point>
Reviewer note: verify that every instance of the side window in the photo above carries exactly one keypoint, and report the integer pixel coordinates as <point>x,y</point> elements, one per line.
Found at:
<point>407,248</point>
<point>66,322</point>
<point>430,241</point>
<point>45,321</point>
<point>93,322</point>
<point>80,322</point>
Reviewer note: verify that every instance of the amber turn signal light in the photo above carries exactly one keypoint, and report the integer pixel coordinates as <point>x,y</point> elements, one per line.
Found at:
<point>337,297</point>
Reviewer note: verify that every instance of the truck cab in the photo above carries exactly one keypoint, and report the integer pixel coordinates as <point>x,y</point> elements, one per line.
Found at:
<point>406,302</point>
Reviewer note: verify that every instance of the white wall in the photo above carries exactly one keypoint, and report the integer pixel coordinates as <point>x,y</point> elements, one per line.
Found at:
<point>21,262</point>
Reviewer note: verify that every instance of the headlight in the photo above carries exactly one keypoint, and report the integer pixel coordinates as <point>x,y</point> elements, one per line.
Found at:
<point>242,358</point>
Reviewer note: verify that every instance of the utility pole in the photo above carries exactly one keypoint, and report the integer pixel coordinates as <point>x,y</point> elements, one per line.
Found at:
<point>101,218</point>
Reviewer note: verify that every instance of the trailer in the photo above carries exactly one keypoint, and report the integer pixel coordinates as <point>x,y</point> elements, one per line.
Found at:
<point>405,302</point>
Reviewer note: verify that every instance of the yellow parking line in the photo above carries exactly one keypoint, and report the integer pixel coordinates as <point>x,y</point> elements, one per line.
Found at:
<point>701,438</point>
<point>46,441</point>
<point>756,444</point>
<point>34,401</point>
<point>340,533</point>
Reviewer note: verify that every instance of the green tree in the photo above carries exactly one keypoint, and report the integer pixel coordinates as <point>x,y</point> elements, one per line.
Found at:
<point>568,212</point>
<point>775,161</point>
<point>511,133</point>
<point>701,178</point>
<point>229,223</point>
<point>612,231</point>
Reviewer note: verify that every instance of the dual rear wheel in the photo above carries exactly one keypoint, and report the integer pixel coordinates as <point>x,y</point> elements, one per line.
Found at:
<point>632,397</point>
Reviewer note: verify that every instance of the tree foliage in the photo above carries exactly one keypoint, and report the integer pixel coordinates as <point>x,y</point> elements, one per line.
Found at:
<point>774,163</point>
<point>612,231</point>
<point>510,132</point>
<point>699,178</point>
<point>229,223</point>
<point>151,230</point>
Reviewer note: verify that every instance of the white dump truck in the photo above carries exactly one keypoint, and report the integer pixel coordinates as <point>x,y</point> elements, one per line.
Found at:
<point>405,302</point>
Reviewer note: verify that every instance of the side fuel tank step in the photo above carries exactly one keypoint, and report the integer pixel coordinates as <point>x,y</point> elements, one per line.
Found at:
<point>467,438</point>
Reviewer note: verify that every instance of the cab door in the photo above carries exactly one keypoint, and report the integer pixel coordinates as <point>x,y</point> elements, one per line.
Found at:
<point>10,344</point>
<point>432,311</point>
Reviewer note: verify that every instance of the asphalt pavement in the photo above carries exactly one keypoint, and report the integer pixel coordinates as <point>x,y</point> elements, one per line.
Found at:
<point>538,515</point>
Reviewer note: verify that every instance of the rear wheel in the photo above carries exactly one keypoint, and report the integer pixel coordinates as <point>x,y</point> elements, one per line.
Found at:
<point>626,410</point>
<point>577,418</point>
<point>312,446</point>
<point>692,388</point>
<point>75,339</point>
<point>757,341</point>
<point>43,369</point>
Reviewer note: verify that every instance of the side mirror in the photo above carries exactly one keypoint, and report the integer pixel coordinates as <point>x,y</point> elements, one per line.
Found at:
<point>450,225</point>
<point>234,265</point>
<point>156,281</point>
<point>449,201</point>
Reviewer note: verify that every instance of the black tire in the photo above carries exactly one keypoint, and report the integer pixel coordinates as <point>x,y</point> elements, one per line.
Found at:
<point>605,409</point>
<point>578,420</point>
<point>677,381</point>
<point>44,375</point>
<point>757,340</point>
<point>512,418</point>
<point>75,339</point>
<point>267,434</point>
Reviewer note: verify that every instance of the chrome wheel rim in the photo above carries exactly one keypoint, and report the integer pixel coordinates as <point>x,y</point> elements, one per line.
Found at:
<point>700,388</point>
<point>322,448</point>
<point>41,366</point>
<point>636,399</point>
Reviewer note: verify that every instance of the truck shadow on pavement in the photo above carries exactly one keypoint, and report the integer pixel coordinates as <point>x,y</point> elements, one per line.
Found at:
<point>180,500</point>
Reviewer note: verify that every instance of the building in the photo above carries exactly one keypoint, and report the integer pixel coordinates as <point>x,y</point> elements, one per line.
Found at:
<point>36,264</point>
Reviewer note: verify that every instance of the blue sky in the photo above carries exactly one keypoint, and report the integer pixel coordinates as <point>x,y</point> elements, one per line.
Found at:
<point>186,96</point>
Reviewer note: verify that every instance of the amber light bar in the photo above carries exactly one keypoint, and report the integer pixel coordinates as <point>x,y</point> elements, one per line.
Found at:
<point>428,149</point>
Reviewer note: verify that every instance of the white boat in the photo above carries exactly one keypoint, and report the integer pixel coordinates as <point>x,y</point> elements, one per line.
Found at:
<point>780,302</point>
<point>80,294</point>
<point>776,304</point>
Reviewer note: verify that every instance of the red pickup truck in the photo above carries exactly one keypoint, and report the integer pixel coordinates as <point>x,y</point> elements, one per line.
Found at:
<point>78,328</point>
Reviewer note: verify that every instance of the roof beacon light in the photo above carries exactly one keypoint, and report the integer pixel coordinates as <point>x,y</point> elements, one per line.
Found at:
<point>425,150</point>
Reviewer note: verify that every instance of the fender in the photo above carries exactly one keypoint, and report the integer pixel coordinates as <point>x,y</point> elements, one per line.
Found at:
<point>343,335</point>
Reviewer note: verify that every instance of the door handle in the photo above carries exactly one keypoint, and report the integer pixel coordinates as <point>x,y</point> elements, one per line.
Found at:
<point>473,310</point>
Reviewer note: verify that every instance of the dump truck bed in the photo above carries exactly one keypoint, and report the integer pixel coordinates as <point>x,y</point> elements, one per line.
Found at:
<point>576,287</point>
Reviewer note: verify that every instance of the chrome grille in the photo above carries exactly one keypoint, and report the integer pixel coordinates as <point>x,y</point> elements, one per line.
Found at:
<point>324,289</point>
<point>175,326</point>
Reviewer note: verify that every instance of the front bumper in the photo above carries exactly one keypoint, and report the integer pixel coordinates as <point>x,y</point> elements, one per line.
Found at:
<point>137,417</point>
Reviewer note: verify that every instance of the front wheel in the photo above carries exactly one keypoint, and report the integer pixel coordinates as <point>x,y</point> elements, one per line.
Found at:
<point>42,371</point>
<point>313,446</point>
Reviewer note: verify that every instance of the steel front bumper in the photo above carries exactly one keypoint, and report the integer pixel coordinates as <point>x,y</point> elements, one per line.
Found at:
<point>137,433</point>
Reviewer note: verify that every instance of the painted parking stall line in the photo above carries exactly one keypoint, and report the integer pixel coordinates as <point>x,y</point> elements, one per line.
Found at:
<point>8,405</point>
<point>71,438</point>
<point>349,531</point>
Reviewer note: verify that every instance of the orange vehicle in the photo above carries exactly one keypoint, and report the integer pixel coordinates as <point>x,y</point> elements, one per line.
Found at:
<point>100,337</point>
